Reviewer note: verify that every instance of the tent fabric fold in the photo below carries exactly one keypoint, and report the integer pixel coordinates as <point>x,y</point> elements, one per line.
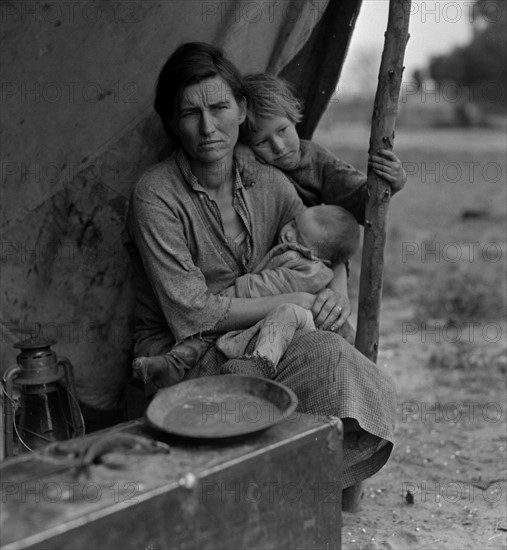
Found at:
<point>79,129</point>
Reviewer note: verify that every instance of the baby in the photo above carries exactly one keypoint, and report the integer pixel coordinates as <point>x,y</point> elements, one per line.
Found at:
<point>307,246</point>
<point>317,238</point>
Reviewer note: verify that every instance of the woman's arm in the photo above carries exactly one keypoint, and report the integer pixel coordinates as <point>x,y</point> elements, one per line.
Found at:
<point>245,312</point>
<point>330,307</point>
<point>169,286</point>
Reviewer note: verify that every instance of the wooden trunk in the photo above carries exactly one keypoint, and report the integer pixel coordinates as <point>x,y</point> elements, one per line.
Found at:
<point>278,489</point>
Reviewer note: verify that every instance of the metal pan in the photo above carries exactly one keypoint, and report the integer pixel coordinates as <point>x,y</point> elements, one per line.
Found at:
<point>224,406</point>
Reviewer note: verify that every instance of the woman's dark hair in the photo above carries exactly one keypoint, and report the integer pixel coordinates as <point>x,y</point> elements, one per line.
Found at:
<point>189,64</point>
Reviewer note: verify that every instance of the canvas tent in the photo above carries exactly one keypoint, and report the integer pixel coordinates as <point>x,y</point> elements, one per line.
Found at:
<point>78,128</point>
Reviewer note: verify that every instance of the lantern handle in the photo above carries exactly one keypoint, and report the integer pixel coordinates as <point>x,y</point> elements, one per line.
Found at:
<point>8,413</point>
<point>75,411</point>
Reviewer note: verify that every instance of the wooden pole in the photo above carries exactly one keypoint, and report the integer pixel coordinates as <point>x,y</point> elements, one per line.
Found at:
<point>382,137</point>
<point>379,195</point>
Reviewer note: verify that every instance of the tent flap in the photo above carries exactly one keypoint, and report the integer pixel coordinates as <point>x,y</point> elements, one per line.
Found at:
<point>316,69</point>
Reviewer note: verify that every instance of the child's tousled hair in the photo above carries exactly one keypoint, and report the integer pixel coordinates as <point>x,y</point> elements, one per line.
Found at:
<point>268,97</point>
<point>339,232</point>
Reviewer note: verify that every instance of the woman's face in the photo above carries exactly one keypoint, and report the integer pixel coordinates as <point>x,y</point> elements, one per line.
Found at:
<point>207,119</point>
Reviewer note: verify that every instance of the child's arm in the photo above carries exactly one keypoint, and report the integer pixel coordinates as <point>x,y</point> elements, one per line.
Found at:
<point>388,167</point>
<point>283,271</point>
<point>337,182</point>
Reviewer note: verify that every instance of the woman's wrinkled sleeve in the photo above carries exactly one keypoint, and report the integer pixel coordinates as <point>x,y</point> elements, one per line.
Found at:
<point>179,286</point>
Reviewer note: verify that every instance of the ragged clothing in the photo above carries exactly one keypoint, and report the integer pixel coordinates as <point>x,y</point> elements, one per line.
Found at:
<point>180,255</point>
<point>273,335</point>
<point>288,267</point>
<point>320,177</point>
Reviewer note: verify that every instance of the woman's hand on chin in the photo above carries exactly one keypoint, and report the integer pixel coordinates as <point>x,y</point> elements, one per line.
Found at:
<point>330,310</point>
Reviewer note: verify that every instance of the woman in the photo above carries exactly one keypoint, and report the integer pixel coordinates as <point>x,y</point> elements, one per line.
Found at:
<point>194,226</point>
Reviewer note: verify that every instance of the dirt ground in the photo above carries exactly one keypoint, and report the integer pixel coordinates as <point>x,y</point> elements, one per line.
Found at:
<point>443,339</point>
<point>449,455</point>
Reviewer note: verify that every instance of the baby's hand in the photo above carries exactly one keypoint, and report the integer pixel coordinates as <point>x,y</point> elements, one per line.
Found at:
<point>243,155</point>
<point>388,167</point>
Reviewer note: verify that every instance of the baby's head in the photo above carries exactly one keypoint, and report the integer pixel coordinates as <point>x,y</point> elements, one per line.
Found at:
<point>329,231</point>
<point>272,114</point>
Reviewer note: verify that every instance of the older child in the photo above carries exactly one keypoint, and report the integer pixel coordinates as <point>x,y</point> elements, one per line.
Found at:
<point>319,177</point>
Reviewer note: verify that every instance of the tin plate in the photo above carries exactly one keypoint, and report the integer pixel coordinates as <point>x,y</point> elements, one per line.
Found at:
<point>224,406</point>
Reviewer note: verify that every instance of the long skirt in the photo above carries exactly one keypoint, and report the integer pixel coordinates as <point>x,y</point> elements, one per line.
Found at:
<point>330,377</point>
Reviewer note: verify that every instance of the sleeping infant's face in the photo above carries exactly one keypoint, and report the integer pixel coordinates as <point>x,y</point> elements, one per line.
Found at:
<point>302,230</point>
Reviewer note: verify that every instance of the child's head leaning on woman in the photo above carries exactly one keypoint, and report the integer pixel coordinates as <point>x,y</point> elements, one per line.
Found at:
<point>272,114</point>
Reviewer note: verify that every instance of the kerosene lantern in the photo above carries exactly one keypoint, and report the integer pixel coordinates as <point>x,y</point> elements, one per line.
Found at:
<point>47,409</point>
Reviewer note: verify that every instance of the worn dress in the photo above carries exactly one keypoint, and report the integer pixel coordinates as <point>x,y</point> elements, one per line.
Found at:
<point>182,259</point>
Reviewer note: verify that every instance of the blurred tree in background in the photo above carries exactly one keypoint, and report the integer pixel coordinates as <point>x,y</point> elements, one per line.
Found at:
<point>480,67</point>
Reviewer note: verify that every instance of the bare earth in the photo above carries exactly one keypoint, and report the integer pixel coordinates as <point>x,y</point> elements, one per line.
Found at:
<point>450,454</point>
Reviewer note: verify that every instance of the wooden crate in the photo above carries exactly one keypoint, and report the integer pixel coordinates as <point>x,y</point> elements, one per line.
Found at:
<point>278,489</point>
